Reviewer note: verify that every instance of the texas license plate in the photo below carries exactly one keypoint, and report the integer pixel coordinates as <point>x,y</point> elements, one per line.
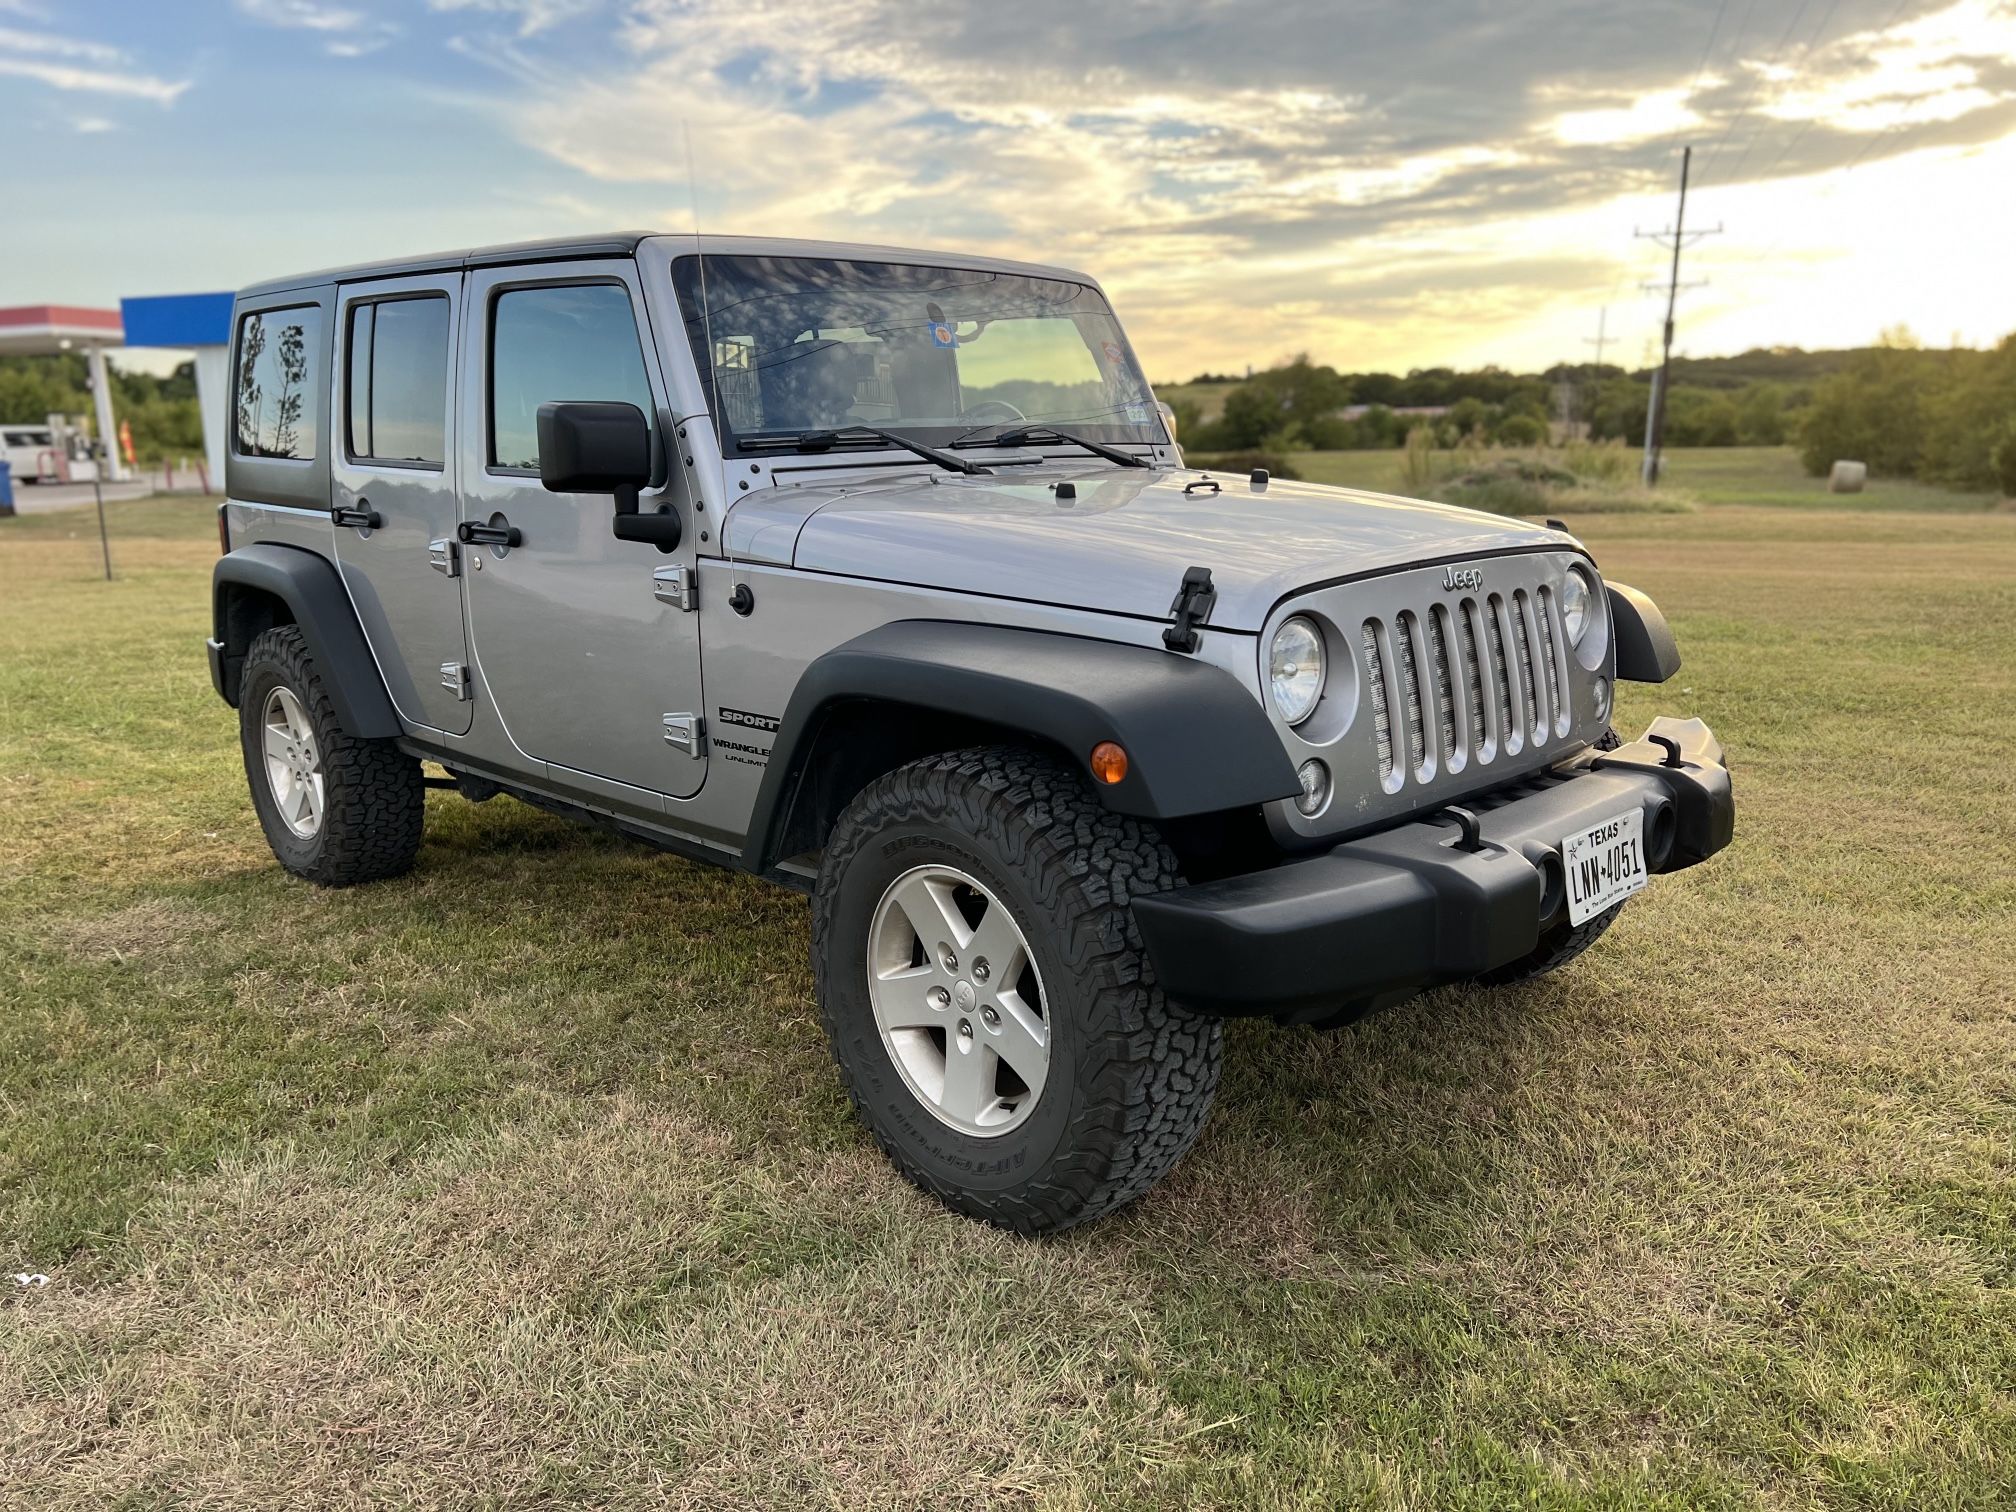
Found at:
<point>1605,864</point>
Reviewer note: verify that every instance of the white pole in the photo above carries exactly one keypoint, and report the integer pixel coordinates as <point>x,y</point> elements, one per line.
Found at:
<point>101,393</point>
<point>211,374</point>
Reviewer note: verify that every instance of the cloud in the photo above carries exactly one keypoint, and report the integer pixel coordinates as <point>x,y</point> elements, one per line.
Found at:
<point>96,81</point>
<point>93,125</point>
<point>305,15</point>
<point>348,32</point>
<point>1216,159</point>
<point>534,16</point>
<point>47,44</point>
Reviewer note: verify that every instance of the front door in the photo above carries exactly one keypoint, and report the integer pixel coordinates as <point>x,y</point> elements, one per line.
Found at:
<point>393,490</point>
<point>590,659</point>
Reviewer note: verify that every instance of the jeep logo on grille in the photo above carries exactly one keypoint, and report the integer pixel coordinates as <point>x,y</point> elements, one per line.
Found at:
<point>1470,578</point>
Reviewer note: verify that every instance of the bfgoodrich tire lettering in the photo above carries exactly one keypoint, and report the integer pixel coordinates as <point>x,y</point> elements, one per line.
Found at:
<point>1131,1075</point>
<point>373,797</point>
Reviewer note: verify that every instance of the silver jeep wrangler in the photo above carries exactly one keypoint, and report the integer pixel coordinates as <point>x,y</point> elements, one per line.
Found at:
<point>879,574</point>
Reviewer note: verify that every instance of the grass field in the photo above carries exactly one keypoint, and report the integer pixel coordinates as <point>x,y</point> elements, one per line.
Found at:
<point>1755,475</point>
<point>526,1180</point>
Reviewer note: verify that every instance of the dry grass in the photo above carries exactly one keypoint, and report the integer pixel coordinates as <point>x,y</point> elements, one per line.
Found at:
<point>526,1180</point>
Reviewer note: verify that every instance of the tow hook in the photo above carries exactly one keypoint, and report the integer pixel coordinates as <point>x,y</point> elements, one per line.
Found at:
<point>1472,838</point>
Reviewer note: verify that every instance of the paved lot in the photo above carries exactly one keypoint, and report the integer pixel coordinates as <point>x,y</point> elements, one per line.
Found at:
<point>39,498</point>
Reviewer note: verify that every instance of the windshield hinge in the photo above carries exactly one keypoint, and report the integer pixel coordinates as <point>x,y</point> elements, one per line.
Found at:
<point>1192,607</point>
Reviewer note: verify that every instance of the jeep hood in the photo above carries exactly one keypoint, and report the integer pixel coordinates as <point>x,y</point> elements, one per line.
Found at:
<point>1120,546</point>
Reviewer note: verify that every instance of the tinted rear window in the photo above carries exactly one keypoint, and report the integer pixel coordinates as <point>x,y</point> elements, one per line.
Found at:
<point>273,413</point>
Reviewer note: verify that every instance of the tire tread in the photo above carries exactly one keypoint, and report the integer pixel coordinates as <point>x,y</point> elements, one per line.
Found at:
<point>1150,1067</point>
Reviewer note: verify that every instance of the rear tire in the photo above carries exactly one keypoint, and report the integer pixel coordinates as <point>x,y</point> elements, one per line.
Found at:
<point>1558,946</point>
<point>1006,851</point>
<point>336,810</point>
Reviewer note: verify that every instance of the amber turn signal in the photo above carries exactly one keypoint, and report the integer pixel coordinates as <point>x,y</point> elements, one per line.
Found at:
<point>1109,762</point>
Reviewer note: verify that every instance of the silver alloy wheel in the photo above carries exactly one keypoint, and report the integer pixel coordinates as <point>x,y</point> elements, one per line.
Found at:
<point>958,1000</point>
<point>293,763</point>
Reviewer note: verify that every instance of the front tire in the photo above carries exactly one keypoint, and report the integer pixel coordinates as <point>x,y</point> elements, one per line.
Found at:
<point>336,810</point>
<point>987,997</point>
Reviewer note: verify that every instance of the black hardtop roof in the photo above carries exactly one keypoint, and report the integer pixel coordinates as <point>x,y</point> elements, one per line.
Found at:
<point>625,244</point>
<point>611,244</point>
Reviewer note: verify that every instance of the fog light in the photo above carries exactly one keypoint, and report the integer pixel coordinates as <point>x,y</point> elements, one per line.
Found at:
<point>1315,788</point>
<point>1601,689</point>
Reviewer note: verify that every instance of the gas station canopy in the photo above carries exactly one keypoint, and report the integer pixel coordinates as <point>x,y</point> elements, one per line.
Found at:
<point>199,323</point>
<point>44,330</point>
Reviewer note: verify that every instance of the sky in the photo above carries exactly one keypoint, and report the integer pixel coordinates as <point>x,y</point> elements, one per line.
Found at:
<point>1380,183</point>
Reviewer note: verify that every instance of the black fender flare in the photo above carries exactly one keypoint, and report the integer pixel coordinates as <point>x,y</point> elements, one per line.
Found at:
<point>311,588</point>
<point>1197,742</point>
<point>1646,649</point>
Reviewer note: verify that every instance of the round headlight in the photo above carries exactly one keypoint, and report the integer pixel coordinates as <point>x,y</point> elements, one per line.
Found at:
<point>1295,669</point>
<point>1577,597</point>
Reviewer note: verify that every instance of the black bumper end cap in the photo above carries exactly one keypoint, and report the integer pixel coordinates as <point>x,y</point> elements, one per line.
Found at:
<point>225,689</point>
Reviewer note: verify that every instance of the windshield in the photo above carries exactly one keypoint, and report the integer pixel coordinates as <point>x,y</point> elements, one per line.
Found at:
<point>818,344</point>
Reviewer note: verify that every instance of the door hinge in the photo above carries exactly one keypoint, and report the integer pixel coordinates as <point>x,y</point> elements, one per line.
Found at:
<point>455,678</point>
<point>677,586</point>
<point>686,732</point>
<point>445,557</point>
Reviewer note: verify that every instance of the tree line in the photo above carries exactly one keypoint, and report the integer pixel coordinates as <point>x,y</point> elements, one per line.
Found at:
<point>162,412</point>
<point>1942,416</point>
<point>1304,404</point>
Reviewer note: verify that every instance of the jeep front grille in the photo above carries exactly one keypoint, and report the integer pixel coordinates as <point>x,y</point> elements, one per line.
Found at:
<point>1465,680</point>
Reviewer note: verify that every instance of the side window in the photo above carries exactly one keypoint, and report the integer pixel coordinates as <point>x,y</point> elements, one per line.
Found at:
<point>576,342</point>
<point>397,376</point>
<point>273,412</point>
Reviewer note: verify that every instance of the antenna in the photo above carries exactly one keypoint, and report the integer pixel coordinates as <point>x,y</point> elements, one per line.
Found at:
<point>717,406</point>
<point>700,251</point>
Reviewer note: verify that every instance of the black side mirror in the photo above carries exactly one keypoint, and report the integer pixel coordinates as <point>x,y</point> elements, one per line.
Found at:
<point>602,447</point>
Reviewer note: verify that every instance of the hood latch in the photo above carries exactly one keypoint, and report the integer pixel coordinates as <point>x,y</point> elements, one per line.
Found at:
<point>1192,607</point>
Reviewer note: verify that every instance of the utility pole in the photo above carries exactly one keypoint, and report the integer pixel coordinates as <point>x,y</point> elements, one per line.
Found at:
<point>1599,341</point>
<point>1676,237</point>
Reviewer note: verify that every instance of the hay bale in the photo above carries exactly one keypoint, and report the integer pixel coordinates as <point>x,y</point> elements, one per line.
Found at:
<point>1848,477</point>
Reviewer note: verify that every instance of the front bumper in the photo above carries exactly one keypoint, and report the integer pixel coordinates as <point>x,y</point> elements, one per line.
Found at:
<point>1376,920</point>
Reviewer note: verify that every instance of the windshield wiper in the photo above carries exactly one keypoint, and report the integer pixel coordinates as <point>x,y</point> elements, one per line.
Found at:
<point>1019,433</point>
<point>826,440</point>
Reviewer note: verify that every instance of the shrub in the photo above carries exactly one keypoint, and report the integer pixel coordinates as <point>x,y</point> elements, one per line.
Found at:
<point>2004,458</point>
<point>1600,461</point>
<point>1417,460</point>
<point>1521,430</point>
<point>1245,461</point>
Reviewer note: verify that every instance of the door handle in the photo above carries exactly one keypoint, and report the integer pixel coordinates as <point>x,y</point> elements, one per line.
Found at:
<point>498,533</point>
<point>363,516</point>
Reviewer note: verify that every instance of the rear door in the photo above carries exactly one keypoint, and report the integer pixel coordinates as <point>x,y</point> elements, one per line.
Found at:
<point>393,490</point>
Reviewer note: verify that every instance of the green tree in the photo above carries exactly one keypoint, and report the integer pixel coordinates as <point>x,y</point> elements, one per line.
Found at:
<point>1869,412</point>
<point>1285,406</point>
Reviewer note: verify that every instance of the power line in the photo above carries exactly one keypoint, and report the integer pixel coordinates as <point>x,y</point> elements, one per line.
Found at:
<point>1700,71</point>
<point>1750,94</point>
<point>1757,136</point>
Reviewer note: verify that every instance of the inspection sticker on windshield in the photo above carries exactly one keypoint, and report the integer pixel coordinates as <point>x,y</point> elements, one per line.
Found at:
<point>1605,864</point>
<point>942,334</point>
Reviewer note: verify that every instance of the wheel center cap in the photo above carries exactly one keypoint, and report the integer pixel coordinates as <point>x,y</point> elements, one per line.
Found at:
<point>963,995</point>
